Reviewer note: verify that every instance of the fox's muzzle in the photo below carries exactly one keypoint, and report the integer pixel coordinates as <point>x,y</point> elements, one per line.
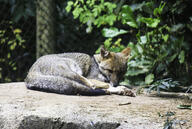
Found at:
<point>114,80</point>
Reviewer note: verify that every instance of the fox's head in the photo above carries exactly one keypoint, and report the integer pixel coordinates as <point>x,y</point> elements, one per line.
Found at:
<point>113,65</point>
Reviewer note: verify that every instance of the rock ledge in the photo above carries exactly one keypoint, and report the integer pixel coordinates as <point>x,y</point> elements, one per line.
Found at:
<point>21,108</point>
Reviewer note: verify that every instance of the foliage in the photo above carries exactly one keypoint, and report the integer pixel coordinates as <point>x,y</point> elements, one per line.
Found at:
<point>11,42</point>
<point>112,46</point>
<point>93,12</point>
<point>165,84</point>
<point>17,40</point>
<point>171,122</point>
<point>158,44</point>
<point>69,32</point>
<point>155,50</point>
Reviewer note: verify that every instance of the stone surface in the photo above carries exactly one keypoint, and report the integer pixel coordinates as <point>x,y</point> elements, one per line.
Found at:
<point>21,108</point>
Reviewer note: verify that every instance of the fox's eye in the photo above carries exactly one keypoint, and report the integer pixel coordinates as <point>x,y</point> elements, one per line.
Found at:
<point>111,71</point>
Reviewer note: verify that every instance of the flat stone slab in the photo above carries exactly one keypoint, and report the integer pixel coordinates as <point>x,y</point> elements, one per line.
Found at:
<point>21,108</point>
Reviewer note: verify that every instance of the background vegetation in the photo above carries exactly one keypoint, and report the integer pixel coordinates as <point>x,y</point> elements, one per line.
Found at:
<point>158,32</point>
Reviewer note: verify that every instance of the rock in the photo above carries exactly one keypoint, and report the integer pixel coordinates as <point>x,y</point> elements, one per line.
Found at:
<point>21,108</point>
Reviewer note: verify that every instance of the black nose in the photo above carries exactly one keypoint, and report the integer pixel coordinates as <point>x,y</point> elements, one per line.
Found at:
<point>114,84</point>
<point>106,80</point>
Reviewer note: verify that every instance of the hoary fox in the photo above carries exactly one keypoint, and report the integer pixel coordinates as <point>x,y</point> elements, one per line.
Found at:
<point>79,73</point>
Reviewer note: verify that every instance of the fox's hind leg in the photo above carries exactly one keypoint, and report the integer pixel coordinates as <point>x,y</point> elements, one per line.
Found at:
<point>61,85</point>
<point>92,83</point>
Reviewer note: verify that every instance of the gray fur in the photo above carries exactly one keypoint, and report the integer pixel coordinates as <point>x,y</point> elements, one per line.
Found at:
<point>72,73</point>
<point>60,73</point>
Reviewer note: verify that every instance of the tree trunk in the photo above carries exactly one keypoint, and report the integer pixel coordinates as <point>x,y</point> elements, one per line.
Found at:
<point>45,36</point>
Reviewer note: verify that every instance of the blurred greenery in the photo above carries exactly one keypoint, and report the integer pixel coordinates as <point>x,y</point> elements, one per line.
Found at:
<point>158,33</point>
<point>17,38</point>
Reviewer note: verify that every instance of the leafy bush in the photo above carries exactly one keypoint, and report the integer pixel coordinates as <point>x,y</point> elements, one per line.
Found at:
<point>70,35</point>
<point>11,44</point>
<point>155,39</point>
<point>171,122</point>
<point>165,84</point>
<point>17,40</point>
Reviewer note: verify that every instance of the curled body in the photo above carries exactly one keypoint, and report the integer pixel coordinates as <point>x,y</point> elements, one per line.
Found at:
<point>79,73</point>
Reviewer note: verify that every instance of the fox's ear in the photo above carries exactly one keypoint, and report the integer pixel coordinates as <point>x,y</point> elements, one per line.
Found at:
<point>104,53</point>
<point>126,52</point>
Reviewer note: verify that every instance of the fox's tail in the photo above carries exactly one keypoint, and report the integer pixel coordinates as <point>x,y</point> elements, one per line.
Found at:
<point>59,85</point>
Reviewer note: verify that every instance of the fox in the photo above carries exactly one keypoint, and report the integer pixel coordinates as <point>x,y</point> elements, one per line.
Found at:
<point>80,73</point>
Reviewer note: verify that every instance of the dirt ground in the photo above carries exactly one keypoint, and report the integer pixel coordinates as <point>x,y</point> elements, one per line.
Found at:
<point>141,112</point>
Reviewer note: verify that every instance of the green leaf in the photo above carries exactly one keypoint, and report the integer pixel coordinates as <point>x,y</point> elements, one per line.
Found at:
<point>171,58</point>
<point>112,32</point>
<point>69,5</point>
<point>14,68</point>
<point>98,9</point>
<point>156,12</point>
<point>185,107</point>
<point>148,7</point>
<point>77,11</point>
<point>137,67</point>
<point>98,50</point>
<point>159,10</point>
<point>181,57</point>
<point>12,47</point>
<point>8,55</point>
<point>165,37</point>
<point>110,19</point>
<point>143,39</point>
<point>108,43</point>
<point>17,31</point>
<point>149,79</point>
<point>127,17</point>
<point>110,6</point>
<point>150,22</point>
<point>139,48</point>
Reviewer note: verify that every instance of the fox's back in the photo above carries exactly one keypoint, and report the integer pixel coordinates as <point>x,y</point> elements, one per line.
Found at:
<point>58,64</point>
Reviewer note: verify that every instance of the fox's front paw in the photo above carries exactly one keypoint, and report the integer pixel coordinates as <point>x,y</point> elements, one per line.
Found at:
<point>126,92</point>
